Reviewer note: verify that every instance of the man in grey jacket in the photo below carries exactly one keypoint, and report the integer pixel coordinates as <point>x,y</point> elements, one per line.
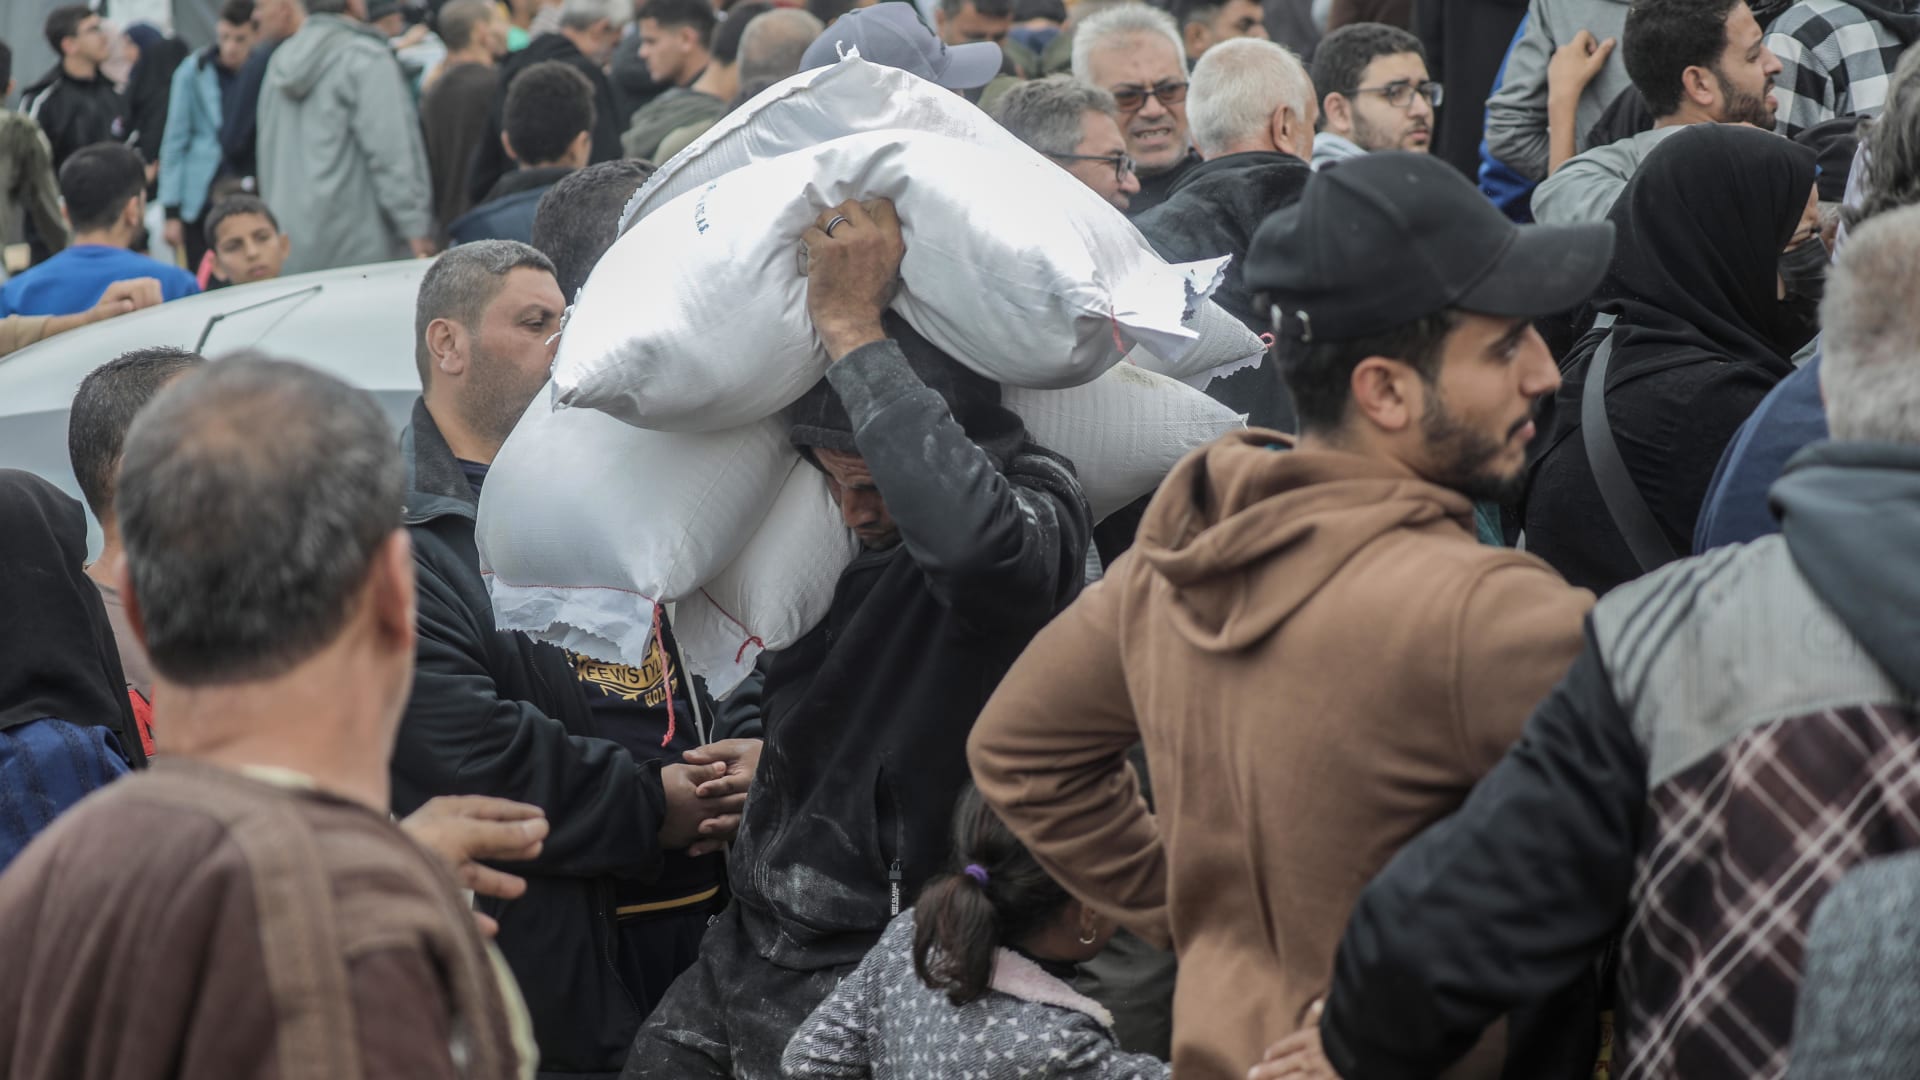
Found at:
<point>1517,128</point>
<point>1695,62</point>
<point>342,159</point>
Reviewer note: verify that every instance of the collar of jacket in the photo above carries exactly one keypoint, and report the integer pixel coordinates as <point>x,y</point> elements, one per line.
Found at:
<point>1017,976</point>
<point>436,485</point>
<point>1226,163</point>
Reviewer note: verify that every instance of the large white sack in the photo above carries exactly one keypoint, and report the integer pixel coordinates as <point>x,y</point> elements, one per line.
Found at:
<point>779,588</point>
<point>855,96</point>
<point>1123,431</point>
<point>585,522</point>
<point>1012,267</point>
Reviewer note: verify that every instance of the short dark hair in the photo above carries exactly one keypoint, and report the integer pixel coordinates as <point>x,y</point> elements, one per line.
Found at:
<point>63,23</point>
<point>698,14</point>
<point>1341,58</point>
<point>578,219</point>
<point>726,38</point>
<point>253,498</point>
<point>458,20</point>
<point>1663,38</point>
<point>992,9</point>
<point>961,921</point>
<point>1320,374</point>
<point>548,106</point>
<point>104,408</point>
<point>1186,12</point>
<point>461,283</point>
<point>234,206</point>
<point>236,12</point>
<point>96,182</point>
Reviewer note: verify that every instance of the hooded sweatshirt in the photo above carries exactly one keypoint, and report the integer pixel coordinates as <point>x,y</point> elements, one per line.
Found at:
<point>1321,660</point>
<point>341,158</point>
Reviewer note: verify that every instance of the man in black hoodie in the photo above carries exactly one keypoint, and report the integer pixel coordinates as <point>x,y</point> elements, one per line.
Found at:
<point>74,104</point>
<point>1738,734</point>
<point>1251,109</point>
<point>975,537</point>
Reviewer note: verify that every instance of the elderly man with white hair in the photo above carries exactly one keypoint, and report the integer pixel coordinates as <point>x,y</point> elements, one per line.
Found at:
<point>1251,108</point>
<point>1135,53</point>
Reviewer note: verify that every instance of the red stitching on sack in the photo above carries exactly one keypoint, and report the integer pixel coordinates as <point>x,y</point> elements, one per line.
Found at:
<point>752,638</point>
<point>666,672</point>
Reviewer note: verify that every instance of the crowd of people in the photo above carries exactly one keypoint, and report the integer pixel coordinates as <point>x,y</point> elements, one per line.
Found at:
<point>1521,693</point>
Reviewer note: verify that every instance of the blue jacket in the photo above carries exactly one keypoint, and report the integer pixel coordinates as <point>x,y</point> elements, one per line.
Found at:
<point>75,279</point>
<point>190,151</point>
<point>1788,419</point>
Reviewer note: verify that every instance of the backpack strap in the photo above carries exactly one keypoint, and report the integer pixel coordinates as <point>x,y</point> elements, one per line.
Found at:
<point>1625,505</point>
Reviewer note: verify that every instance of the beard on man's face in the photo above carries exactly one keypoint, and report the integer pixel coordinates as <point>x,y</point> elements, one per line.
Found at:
<point>1464,459</point>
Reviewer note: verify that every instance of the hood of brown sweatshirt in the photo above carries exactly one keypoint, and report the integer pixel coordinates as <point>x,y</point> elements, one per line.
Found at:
<point>1248,505</point>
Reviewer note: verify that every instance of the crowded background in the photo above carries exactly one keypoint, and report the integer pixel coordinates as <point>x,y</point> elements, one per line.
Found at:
<point>1494,661</point>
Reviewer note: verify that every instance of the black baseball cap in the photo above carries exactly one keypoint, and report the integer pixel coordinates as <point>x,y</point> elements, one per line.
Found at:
<point>1378,241</point>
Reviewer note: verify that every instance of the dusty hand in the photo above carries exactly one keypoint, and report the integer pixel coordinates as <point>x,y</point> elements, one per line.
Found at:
<point>1298,1056</point>
<point>685,808</point>
<point>465,828</point>
<point>1576,64</point>
<point>726,796</point>
<point>176,234</point>
<point>124,296</point>
<point>852,274</point>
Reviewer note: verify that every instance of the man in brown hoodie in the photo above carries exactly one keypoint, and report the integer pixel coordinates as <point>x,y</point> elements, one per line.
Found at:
<point>1318,654</point>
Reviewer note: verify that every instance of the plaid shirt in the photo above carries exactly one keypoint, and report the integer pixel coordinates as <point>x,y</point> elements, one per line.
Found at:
<point>1836,60</point>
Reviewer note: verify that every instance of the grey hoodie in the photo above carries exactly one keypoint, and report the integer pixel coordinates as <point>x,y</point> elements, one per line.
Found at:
<point>1517,111</point>
<point>342,161</point>
<point>1850,513</point>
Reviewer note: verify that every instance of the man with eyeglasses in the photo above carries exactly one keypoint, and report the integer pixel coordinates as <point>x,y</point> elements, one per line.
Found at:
<point>1077,125</point>
<point>1375,93</point>
<point>1135,53</point>
<point>75,104</point>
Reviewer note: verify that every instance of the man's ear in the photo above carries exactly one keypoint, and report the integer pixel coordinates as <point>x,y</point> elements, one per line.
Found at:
<point>1699,86</point>
<point>1337,113</point>
<point>1290,133</point>
<point>131,215</point>
<point>1196,37</point>
<point>1381,392</point>
<point>507,145</point>
<point>391,590</point>
<point>123,581</point>
<point>446,344</point>
<point>580,150</point>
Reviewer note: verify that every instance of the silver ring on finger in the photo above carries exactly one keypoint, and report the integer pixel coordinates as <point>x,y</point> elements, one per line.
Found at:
<point>838,219</point>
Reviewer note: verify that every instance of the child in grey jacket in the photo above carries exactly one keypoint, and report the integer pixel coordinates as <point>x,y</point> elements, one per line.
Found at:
<point>972,981</point>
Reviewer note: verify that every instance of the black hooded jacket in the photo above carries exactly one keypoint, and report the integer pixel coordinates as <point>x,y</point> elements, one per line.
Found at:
<point>1700,339</point>
<point>60,660</point>
<point>493,713</point>
<point>76,112</point>
<point>867,716</point>
<point>1214,210</point>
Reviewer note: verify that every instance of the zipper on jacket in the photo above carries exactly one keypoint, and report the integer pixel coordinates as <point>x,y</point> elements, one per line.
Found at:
<point>893,888</point>
<point>611,922</point>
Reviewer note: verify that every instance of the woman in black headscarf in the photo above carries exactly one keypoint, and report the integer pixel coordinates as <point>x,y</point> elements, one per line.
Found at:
<point>150,86</point>
<point>1715,285</point>
<point>66,725</point>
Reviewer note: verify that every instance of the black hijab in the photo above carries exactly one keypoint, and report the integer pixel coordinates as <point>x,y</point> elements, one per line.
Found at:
<point>1699,232</point>
<point>57,654</point>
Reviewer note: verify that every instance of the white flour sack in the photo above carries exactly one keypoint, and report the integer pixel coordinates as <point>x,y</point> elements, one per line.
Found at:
<point>586,522</point>
<point>696,319</point>
<point>1123,431</point>
<point>778,588</point>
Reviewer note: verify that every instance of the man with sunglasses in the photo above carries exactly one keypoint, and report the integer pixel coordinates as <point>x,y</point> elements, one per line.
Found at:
<point>1135,53</point>
<point>1375,93</point>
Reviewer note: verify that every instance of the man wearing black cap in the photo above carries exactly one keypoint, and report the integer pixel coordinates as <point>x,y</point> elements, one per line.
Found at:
<point>1319,656</point>
<point>974,537</point>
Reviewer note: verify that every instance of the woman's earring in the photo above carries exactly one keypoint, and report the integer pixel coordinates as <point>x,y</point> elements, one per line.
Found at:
<point>1088,935</point>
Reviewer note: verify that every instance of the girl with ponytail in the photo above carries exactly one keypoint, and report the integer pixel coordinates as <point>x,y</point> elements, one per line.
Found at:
<point>973,979</point>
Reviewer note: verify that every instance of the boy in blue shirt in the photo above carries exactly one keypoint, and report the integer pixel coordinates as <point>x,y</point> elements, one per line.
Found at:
<point>104,188</point>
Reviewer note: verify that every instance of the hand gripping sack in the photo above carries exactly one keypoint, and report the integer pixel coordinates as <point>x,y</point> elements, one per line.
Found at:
<point>1012,267</point>
<point>586,523</point>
